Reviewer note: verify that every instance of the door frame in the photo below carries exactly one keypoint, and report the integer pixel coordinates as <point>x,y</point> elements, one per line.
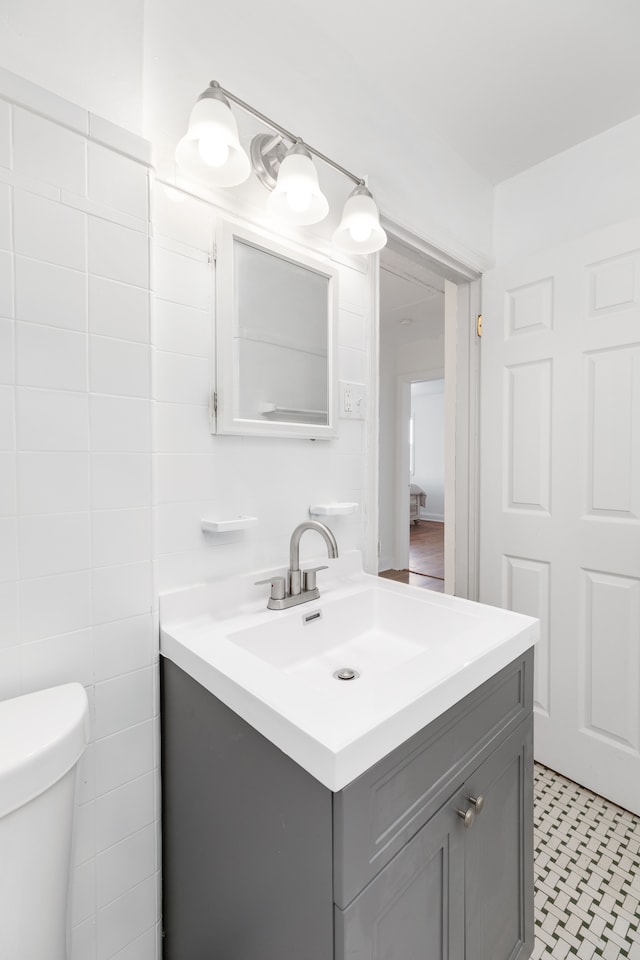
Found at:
<point>462,370</point>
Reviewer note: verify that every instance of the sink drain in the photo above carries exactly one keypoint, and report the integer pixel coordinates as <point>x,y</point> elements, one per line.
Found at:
<point>346,673</point>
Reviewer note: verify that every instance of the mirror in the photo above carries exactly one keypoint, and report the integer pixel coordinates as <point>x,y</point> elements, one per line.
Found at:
<point>275,318</point>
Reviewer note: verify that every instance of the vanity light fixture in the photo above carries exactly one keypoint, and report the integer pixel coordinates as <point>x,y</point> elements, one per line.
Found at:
<point>211,151</point>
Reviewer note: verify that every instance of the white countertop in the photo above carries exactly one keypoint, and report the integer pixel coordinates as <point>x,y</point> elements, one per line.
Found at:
<point>337,730</point>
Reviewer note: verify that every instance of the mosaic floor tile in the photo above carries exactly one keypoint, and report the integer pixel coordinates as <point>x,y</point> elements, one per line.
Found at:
<point>587,874</point>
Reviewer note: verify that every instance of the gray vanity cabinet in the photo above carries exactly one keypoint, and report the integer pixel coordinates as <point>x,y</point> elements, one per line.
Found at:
<point>263,862</point>
<point>456,892</point>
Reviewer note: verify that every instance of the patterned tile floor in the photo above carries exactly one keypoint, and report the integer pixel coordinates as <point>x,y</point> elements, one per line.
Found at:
<point>587,873</point>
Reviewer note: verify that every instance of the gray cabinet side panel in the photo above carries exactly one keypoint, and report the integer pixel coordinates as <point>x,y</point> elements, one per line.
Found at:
<point>247,853</point>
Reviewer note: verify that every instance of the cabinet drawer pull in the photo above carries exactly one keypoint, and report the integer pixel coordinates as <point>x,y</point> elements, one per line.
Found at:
<point>478,802</point>
<point>468,816</point>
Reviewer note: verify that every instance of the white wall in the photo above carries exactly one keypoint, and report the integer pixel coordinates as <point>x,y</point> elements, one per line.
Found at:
<point>107,465</point>
<point>87,51</point>
<point>427,407</point>
<point>76,592</point>
<point>592,185</point>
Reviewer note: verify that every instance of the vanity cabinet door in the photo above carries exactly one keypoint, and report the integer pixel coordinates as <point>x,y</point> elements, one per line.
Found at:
<point>414,908</point>
<point>499,853</point>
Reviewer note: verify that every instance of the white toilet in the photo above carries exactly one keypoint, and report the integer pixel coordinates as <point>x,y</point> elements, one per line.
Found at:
<point>42,736</point>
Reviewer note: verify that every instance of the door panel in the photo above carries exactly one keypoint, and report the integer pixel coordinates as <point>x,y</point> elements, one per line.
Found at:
<point>499,854</point>
<point>560,493</point>
<point>414,908</point>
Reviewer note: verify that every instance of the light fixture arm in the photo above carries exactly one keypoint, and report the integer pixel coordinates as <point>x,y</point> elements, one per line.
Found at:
<point>215,90</point>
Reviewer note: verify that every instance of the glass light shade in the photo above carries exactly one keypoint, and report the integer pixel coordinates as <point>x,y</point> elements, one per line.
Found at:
<point>360,230</point>
<point>297,197</point>
<point>220,160</point>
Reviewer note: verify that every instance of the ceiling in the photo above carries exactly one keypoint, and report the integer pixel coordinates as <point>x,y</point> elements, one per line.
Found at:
<point>507,83</point>
<point>411,300</point>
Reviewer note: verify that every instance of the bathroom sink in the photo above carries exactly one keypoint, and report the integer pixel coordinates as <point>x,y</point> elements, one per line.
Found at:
<point>410,655</point>
<point>371,632</point>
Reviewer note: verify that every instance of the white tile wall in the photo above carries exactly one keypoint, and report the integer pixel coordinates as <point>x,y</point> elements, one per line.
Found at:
<point>107,464</point>
<point>75,489</point>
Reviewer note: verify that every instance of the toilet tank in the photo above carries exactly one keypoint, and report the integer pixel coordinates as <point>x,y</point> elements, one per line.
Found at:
<point>42,736</point>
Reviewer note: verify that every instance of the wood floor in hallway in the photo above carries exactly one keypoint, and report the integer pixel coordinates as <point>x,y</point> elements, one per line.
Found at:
<point>426,557</point>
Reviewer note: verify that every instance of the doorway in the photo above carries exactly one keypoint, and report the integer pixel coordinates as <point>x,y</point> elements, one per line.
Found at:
<point>411,417</point>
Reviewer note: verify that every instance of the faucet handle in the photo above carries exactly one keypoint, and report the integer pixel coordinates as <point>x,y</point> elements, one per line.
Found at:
<point>277,586</point>
<point>310,577</point>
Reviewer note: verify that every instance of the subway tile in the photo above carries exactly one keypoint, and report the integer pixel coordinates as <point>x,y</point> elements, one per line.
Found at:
<point>120,480</point>
<point>60,659</point>
<point>126,918</point>
<point>149,947</point>
<point>117,138</point>
<point>5,134</point>
<point>120,536</point>
<point>182,428</point>
<point>353,289</point>
<point>181,379</point>
<point>47,230</point>
<point>6,350</point>
<point>52,420</point>
<point>117,181</point>
<point>181,477</point>
<point>36,98</point>
<point>119,425</point>
<point>118,253</point>
<point>124,756</point>
<point>8,549</point>
<point>118,310</point>
<point>50,294</point>
<point>180,329</point>
<point>124,810</point>
<point>182,279</point>
<point>122,646</point>
<point>187,220</point>
<point>8,620</point>
<point>123,702</point>
<point>6,284</point>
<point>10,671</point>
<point>351,365</point>
<point>352,330</point>
<point>179,525</point>
<point>54,543</point>
<point>43,150</point>
<point>7,419</point>
<point>53,606</point>
<point>5,216</point>
<point>126,864</point>
<point>119,367</point>
<point>121,591</point>
<point>84,938</point>
<point>87,763</point>
<point>83,901</point>
<point>8,499</point>
<point>53,482</point>
<point>48,357</point>
<point>85,832</point>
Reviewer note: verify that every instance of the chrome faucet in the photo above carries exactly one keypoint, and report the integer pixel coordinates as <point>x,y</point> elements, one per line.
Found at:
<point>297,587</point>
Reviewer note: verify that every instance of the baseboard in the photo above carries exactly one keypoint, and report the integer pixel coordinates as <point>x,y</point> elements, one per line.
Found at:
<point>437,517</point>
<point>385,564</point>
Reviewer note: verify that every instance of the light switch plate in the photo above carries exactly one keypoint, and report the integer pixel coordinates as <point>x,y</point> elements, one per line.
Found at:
<point>353,400</point>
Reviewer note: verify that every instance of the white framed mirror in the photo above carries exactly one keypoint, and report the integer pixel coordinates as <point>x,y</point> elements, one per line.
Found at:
<point>276,321</point>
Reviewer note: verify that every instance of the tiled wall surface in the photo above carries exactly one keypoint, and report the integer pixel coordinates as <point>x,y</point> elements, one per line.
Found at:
<point>107,464</point>
<point>76,592</point>
<point>198,474</point>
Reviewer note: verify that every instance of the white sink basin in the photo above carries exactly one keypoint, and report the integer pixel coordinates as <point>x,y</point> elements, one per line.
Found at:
<point>373,631</point>
<point>416,652</point>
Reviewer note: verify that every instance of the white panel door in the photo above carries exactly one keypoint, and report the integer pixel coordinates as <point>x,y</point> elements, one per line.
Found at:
<point>560,493</point>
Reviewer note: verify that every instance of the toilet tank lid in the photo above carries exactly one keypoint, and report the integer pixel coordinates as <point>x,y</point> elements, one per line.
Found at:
<point>42,735</point>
